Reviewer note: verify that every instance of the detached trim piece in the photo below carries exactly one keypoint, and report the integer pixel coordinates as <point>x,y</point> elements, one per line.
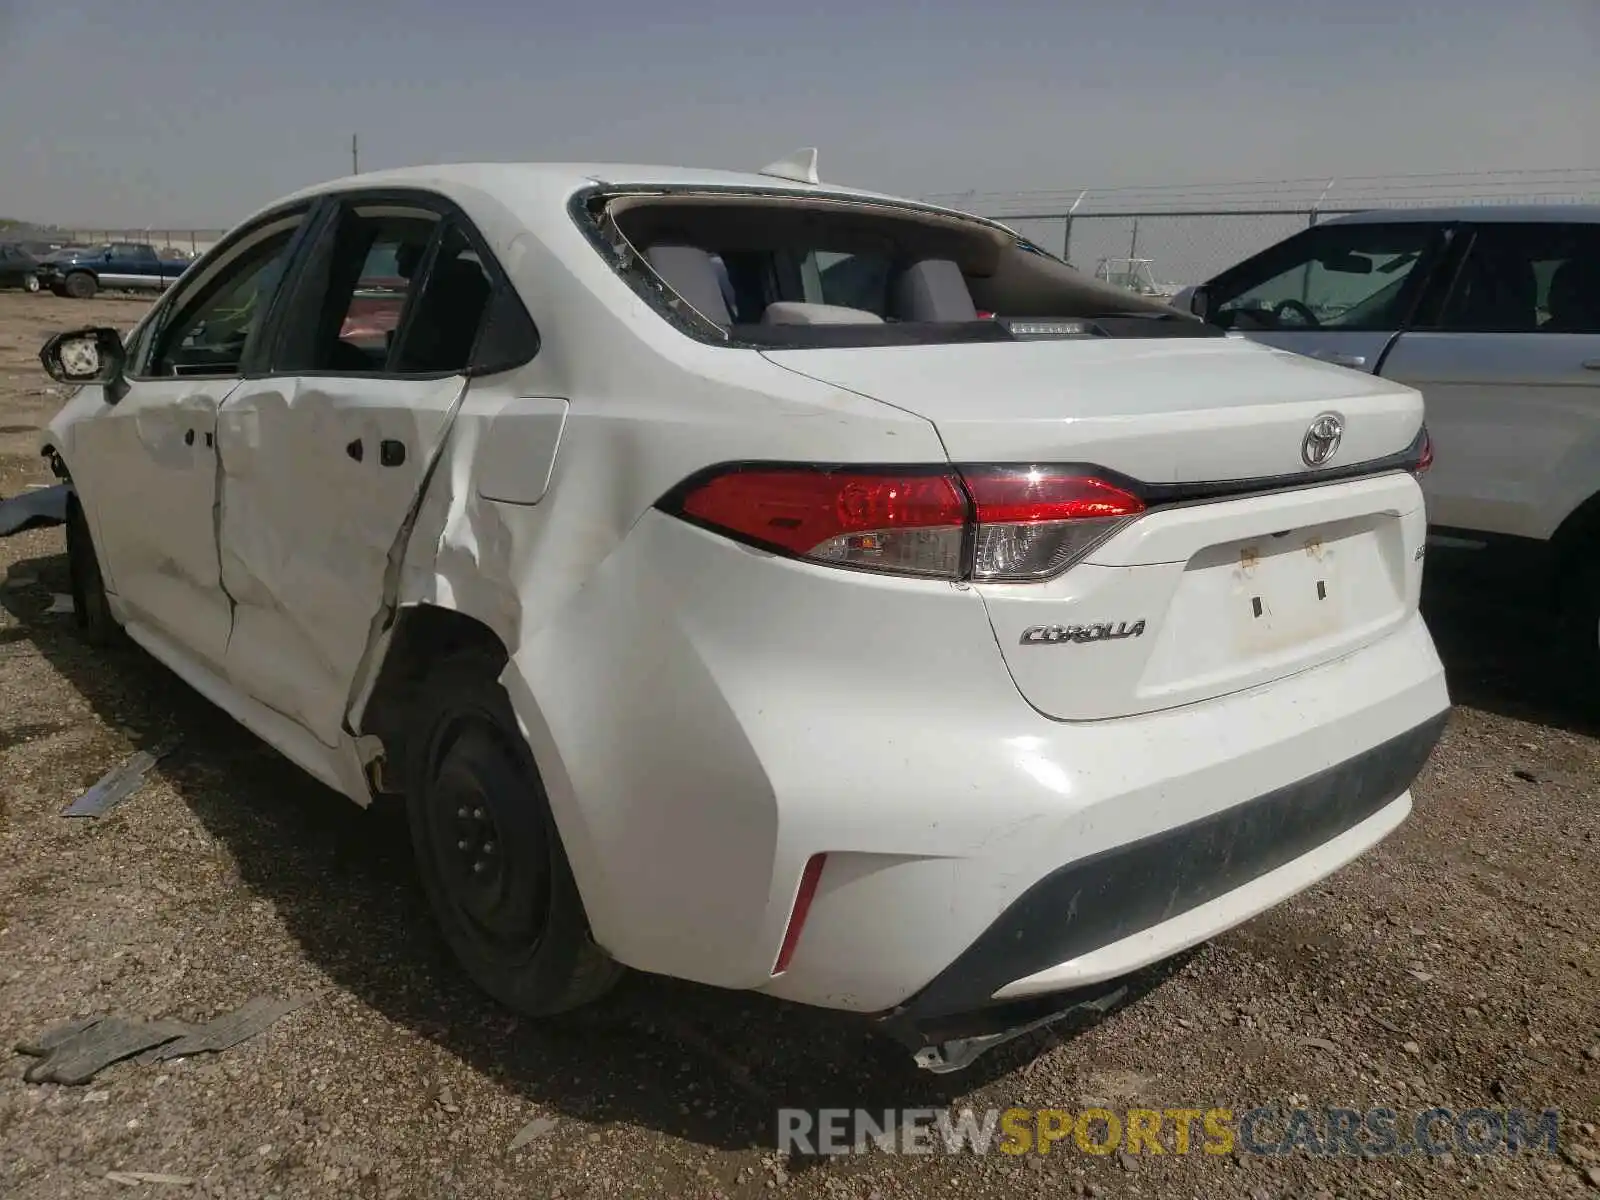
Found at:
<point>1114,894</point>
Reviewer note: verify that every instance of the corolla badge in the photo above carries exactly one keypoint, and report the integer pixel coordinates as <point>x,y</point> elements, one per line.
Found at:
<point>1036,635</point>
<point>1322,440</point>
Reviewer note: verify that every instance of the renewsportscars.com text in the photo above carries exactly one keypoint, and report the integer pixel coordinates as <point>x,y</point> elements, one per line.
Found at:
<point>1267,1130</point>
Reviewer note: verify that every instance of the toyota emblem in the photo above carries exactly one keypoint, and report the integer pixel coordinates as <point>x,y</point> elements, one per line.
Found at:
<point>1322,440</point>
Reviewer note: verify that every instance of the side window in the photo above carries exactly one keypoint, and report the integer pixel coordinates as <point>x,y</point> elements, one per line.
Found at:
<point>1527,279</point>
<point>443,328</point>
<point>387,291</point>
<point>1338,277</point>
<point>207,329</point>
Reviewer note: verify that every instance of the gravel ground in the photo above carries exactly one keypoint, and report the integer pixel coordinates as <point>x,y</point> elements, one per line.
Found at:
<point>1456,965</point>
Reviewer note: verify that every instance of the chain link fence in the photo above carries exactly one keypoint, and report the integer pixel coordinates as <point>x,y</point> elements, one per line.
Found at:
<point>1162,237</point>
<point>1162,250</point>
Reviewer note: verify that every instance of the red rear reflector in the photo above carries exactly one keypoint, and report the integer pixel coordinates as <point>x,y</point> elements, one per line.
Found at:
<point>900,523</point>
<point>807,892</point>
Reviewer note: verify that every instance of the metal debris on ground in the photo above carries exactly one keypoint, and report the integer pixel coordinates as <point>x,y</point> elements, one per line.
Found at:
<point>78,1056</point>
<point>34,510</point>
<point>117,784</point>
<point>135,1178</point>
<point>535,1128</point>
<point>228,1030</point>
<point>76,1052</point>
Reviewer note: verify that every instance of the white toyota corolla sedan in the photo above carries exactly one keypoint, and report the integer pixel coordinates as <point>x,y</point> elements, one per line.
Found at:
<point>766,583</point>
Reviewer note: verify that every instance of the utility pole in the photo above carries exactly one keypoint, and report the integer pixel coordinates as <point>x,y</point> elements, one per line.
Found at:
<point>355,154</point>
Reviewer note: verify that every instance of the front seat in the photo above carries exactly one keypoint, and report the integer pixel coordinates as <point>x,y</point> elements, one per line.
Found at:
<point>1574,301</point>
<point>1501,296</point>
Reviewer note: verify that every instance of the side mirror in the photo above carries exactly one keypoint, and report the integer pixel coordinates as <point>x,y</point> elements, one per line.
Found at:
<point>1194,300</point>
<point>94,354</point>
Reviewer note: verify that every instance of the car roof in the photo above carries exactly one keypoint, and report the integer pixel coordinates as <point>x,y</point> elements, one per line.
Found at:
<point>528,181</point>
<point>1483,214</point>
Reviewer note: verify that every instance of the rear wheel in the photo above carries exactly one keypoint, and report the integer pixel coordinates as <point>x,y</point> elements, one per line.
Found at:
<point>91,610</point>
<point>1578,666</point>
<point>81,285</point>
<point>488,852</point>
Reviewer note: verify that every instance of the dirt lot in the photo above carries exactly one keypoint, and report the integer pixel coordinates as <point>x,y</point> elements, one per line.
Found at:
<point>1457,965</point>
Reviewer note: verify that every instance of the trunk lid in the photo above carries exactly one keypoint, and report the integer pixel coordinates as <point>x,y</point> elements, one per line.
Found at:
<point>1190,600</point>
<point>1161,410</point>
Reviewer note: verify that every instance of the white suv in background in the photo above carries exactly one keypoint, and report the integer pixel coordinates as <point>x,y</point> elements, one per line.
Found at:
<point>1494,313</point>
<point>764,583</point>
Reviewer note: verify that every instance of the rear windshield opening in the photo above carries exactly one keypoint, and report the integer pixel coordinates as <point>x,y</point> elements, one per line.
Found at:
<point>798,271</point>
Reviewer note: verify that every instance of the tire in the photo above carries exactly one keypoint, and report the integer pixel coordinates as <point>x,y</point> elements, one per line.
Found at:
<point>90,608</point>
<point>488,852</point>
<point>30,283</point>
<point>1580,620</point>
<point>81,285</point>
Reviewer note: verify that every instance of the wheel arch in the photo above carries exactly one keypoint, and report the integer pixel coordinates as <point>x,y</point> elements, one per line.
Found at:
<point>1580,527</point>
<point>426,634</point>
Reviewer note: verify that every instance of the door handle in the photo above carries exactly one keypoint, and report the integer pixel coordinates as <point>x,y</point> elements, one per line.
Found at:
<point>391,453</point>
<point>188,437</point>
<point>1341,360</point>
<point>356,450</point>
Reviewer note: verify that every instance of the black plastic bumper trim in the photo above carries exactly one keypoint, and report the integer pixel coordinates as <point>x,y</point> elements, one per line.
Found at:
<point>1111,895</point>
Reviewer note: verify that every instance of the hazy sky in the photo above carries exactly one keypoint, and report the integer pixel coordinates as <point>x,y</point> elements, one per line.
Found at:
<point>190,113</point>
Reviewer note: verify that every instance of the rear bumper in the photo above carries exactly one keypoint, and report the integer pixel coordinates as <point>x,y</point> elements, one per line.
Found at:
<point>706,723</point>
<point>1109,913</point>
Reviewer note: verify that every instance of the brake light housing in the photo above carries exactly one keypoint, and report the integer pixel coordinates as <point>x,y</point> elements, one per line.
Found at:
<point>1422,460</point>
<point>990,524</point>
<point>1032,523</point>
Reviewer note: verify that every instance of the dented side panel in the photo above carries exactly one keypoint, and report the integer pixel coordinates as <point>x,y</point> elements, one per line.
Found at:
<point>319,476</point>
<point>147,470</point>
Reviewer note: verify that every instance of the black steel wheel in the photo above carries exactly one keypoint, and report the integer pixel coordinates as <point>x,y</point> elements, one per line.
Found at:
<point>91,609</point>
<point>489,853</point>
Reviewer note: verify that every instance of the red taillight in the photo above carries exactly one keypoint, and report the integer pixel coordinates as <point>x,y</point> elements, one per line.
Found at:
<point>1035,522</point>
<point>1424,455</point>
<point>1026,523</point>
<point>909,523</point>
<point>809,878</point>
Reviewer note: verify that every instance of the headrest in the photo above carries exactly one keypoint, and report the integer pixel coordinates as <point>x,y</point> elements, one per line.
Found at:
<point>933,290</point>
<point>1574,299</point>
<point>691,273</point>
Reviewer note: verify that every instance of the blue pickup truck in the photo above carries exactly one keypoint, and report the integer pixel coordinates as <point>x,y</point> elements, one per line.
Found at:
<point>80,272</point>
